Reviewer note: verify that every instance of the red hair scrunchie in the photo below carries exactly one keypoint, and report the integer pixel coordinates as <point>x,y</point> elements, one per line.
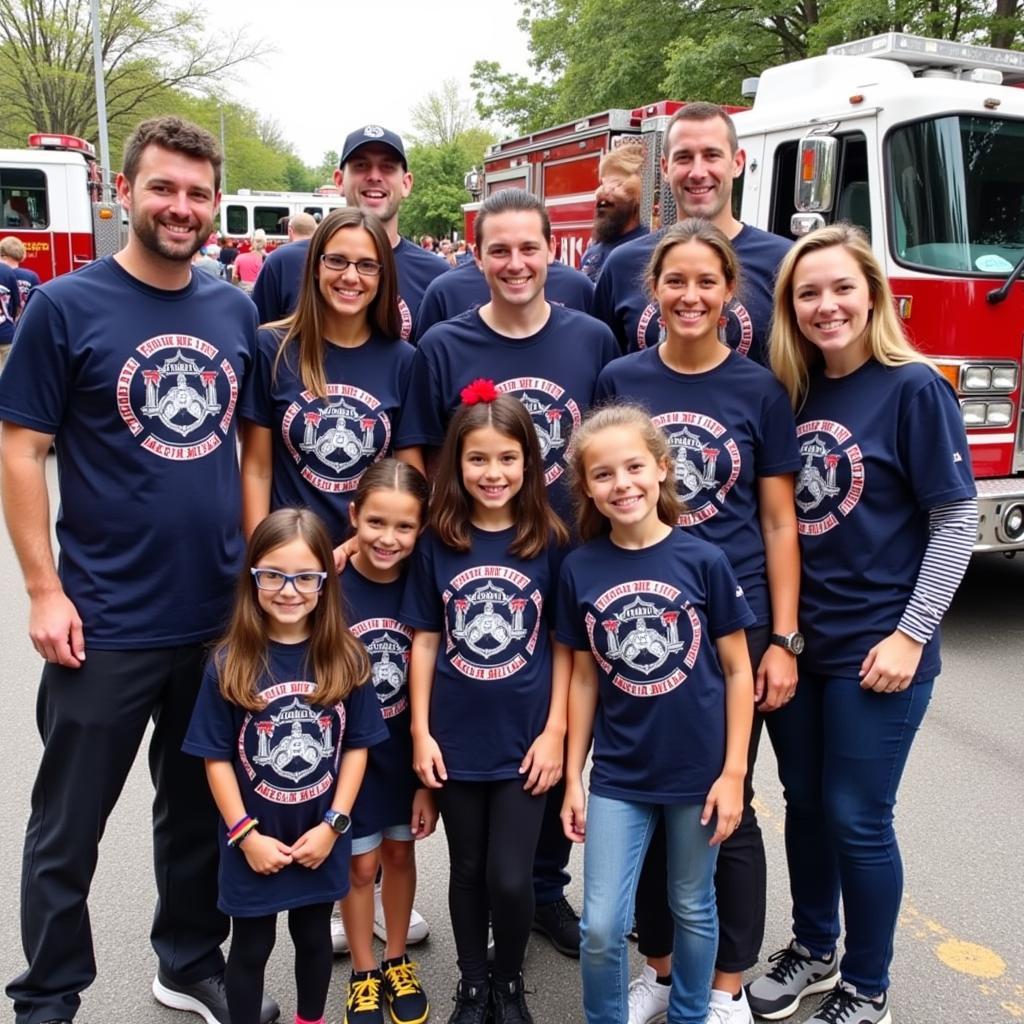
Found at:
<point>479,390</point>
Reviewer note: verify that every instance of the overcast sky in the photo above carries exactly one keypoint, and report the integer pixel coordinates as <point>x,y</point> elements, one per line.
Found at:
<point>338,67</point>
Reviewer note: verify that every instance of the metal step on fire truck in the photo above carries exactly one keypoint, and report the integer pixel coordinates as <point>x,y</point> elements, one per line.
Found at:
<point>920,142</point>
<point>51,196</point>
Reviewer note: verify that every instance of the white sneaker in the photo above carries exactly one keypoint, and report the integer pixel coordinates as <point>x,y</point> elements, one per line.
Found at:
<point>339,940</point>
<point>648,1001</point>
<point>724,1009</point>
<point>418,928</point>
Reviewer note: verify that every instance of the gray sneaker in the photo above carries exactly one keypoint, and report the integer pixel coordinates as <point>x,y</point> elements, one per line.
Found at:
<point>794,974</point>
<point>843,1005</point>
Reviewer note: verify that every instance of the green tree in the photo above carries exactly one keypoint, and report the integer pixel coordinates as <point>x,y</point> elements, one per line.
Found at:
<point>435,205</point>
<point>589,55</point>
<point>148,47</point>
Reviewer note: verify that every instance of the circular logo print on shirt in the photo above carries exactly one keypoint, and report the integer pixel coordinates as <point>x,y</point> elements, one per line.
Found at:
<point>334,440</point>
<point>388,644</point>
<point>645,636</point>
<point>178,395</point>
<point>555,416</point>
<point>739,328</point>
<point>707,462</point>
<point>492,620</point>
<point>289,750</point>
<point>831,479</point>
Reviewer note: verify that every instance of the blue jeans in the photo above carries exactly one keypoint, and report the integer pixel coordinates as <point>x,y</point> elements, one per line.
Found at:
<point>841,752</point>
<point>618,834</point>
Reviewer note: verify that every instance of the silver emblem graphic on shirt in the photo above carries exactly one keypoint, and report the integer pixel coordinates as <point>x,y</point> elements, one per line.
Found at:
<point>812,483</point>
<point>488,632</point>
<point>643,647</point>
<point>389,658</point>
<point>338,446</point>
<point>299,750</point>
<point>181,406</point>
<point>694,462</point>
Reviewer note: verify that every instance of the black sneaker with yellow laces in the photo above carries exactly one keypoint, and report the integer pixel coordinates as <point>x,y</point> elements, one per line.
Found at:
<point>365,998</point>
<point>403,991</point>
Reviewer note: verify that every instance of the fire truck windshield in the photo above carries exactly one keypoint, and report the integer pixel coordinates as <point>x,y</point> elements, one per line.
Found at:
<point>956,192</point>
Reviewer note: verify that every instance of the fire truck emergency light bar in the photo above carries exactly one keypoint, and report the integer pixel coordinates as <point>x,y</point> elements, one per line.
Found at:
<point>924,52</point>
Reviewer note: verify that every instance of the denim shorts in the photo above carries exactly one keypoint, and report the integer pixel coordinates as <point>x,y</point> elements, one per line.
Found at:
<point>364,844</point>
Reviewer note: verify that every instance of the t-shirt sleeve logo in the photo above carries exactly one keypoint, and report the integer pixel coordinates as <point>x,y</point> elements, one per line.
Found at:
<point>290,749</point>
<point>555,416</point>
<point>333,441</point>
<point>707,463</point>
<point>492,621</point>
<point>644,636</point>
<point>179,395</point>
<point>831,480</point>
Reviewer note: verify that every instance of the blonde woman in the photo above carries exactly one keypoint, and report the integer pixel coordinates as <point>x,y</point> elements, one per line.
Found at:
<point>887,516</point>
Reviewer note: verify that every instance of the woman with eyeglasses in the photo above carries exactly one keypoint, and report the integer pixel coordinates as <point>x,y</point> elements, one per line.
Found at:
<point>321,404</point>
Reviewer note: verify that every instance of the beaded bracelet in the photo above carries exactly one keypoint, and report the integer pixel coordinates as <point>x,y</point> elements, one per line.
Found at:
<point>241,829</point>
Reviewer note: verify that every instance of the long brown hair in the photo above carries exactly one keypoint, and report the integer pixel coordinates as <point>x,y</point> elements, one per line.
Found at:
<point>589,521</point>
<point>305,327</point>
<point>337,661</point>
<point>451,508</point>
<point>792,355</point>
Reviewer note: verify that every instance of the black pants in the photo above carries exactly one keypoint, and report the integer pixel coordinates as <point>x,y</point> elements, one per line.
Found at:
<point>740,875</point>
<point>92,720</point>
<point>549,875</point>
<point>492,830</point>
<point>252,941</point>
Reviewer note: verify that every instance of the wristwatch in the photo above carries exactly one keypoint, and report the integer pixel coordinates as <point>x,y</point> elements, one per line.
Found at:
<point>792,642</point>
<point>338,821</point>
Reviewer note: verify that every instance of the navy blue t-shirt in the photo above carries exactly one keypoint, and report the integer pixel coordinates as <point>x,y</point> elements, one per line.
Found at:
<point>492,681</point>
<point>879,448</point>
<point>466,288</point>
<point>140,387</point>
<point>276,292</point>
<point>286,760</point>
<point>416,269</point>
<point>621,299</point>
<point>389,785</point>
<point>552,372</point>
<point>597,252</point>
<point>726,428</point>
<point>650,618</point>
<point>322,447</point>
<point>10,303</point>
<point>27,280</point>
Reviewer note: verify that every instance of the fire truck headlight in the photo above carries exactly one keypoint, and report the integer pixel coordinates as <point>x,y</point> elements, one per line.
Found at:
<point>1004,378</point>
<point>976,378</point>
<point>998,414</point>
<point>1011,525</point>
<point>973,413</point>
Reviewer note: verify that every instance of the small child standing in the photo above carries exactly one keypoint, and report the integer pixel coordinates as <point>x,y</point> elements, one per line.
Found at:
<point>283,721</point>
<point>488,686</point>
<point>387,512</point>
<point>661,681</point>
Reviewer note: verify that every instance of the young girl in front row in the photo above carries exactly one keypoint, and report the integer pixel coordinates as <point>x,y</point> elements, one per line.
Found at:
<point>488,690</point>
<point>283,721</point>
<point>661,679</point>
<point>387,513</point>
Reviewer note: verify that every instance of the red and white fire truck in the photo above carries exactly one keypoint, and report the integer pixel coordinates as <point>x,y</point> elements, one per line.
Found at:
<point>51,196</point>
<point>919,141</point>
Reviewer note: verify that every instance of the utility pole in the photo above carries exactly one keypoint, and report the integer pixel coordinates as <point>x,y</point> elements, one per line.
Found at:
<point>223,155</point>
<point>101,99</point>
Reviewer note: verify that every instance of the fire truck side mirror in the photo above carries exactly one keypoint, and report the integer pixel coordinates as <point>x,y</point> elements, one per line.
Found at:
<point>815,174</point>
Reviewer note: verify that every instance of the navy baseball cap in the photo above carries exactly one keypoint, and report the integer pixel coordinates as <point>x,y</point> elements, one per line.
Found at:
<point>372,133</point>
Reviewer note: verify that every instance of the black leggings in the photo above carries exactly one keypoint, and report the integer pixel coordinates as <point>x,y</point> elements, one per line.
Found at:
<point>492,830</point>
<point>740,875</point>
<point>252,939</point>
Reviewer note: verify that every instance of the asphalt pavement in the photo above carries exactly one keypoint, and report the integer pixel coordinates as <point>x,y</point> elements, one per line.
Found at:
<point>960,818</point>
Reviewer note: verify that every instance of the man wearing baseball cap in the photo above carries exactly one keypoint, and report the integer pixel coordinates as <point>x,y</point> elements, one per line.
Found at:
<point>374,175</point>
